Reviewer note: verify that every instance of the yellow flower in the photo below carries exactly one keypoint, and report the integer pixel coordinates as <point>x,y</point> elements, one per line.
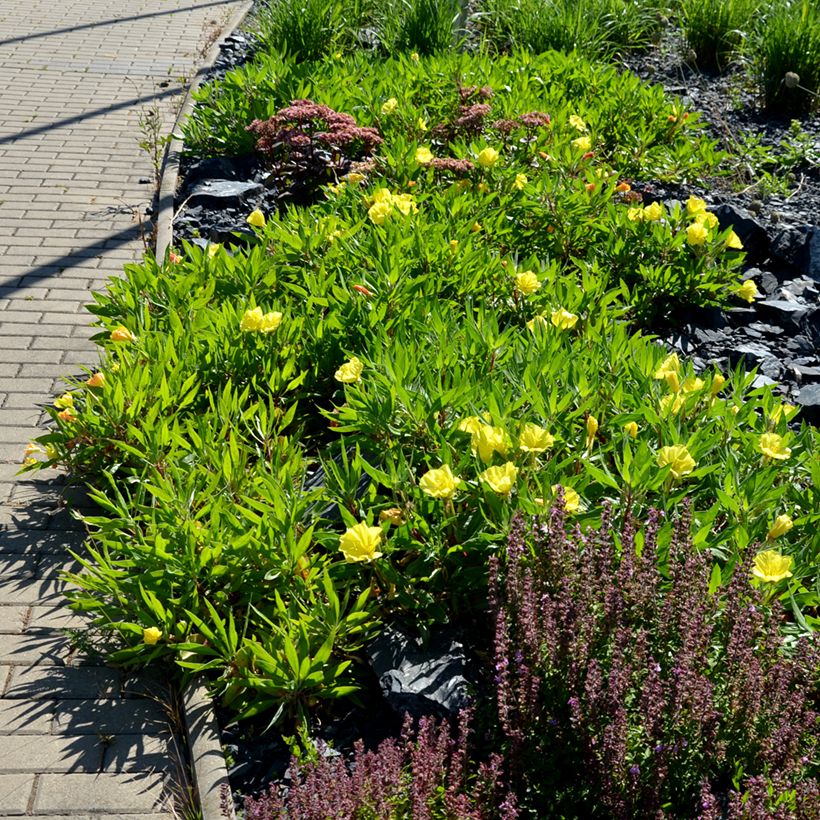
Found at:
<point>32,449</point>
<point>678,458</point>
<point>748,291</point>
<point>64,401</point>
<point>256,219</point>
<point>673,381</point>
<point>537,321</point>
<point>707,219</point>
<point>631,427</point>
<point>733,241</point>
<point>718,380</point>
<point>354,178</point>
<point>476,227</point>
<point>424,155</point>
<point>696,234</point>
<point>487,157</point>
<point>695,205</point>
<point>483,188</point>
<point>693,384</point>
<point>572,501</point>
<point>359,543</point>
<point>454,243</point>
<point>773,446</point>
<point>97,380</point>
<point>151,635</point>
<point>526,282</point>
<point>635,214</point>
<point>488,440</point>
<point>414,56</point>
<point>784,410</point>
<point>592,430</point>
<point>379,212</point>
<point>671,364</point>
<point>69,414</point>
<point>534,439</point>
<point>251,320</point>
<point>405,204</point>
<point>577,123</point>
<point>393,515</point>
<point>520,182</point>
<point>421,124</point>
<point>782,524</point>
<point>653,212</point>
<point>471,425</point>
<point>501,479</point>
<point>122,334</point>
<point>771,566</point>
<point>213,249</point>
<point>270,321</point>
<point>440,483</point>
<point>582,143</point>
<point>390,106</point>
<point>350,372</point>
<point>672,403</point>
<point>51,452</point>
<point>563,319</point>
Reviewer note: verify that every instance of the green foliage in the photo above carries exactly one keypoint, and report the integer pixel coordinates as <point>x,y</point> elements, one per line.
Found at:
<point>716,29</point>
<point>420,26</point>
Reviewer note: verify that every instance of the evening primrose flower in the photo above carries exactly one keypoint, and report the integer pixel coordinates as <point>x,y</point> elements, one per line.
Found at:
<point>782,524</point>
<point>733,241</point>
<point>577,123</point>
<point>487,157</point>
<point>501,479</point>
<point>534,439</point>
<point>696,234</point>
<point>695,205</point>
<point>359,543</point>
<point>440,483</point>
<point>213,249</point>
<point>350,372</point>
<point>718,380</point>
<point>582,143</point>
<point>69,414</point>
<point>673,381</point>
<point>251,320</point>
<point>520,182</point>
<point>390,106</point>
<point>256,219</point>
<point>488,440</point>
<point>653,212</point>
<point>270,321</point>
<point>773,446</point>
<point>476,227</point>
<point>784,410</point>
<point>122,334</point>
<point>64,401</point>
<point>631,427</point>
<point>635,214</point>
<point>771,566</point>
<point>572,501</point>
<point>421,124</point>
<point>379,212</point>
<point>537,321</point>
<point>592,430</point>
<point>748,291</point>
<point>151,635</point>
<point>563,319</point>
<point>424,156</point>
<point>471,425</point>
<point>527,282</point>
<point>97,380</point>
<point>693,384</point>
<point>672,404</point>
<point>678,458</point>
<point>405,204</point>
<point>353,178</point>
<point>671,364</point>
<point>707,219</point>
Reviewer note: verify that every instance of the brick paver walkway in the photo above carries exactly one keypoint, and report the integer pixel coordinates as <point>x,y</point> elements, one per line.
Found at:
<point>75,77</point>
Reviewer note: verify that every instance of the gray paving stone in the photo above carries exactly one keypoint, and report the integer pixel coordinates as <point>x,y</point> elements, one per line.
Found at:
<point>61,682</point>
<point>26,717</point>
<point>51,753</point>
<point>13,619</point>
<point>102,793</point>
<point>47,618</point>
<point>15,791</point>
<point>111,716</point>
<point>37,648</point>
<point>22,591</point>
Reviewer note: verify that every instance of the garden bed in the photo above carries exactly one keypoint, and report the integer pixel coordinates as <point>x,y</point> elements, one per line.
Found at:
<point>416,351</point>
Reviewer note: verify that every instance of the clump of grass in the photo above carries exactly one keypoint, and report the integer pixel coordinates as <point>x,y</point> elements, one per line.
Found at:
<point>715,29</point>
<point>420,26</point>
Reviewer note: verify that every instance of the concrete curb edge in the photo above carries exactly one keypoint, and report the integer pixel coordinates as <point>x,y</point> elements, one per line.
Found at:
<point>170,167</point>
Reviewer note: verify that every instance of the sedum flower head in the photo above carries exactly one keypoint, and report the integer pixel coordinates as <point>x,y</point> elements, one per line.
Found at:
<point>678,458</point>
<point>256,219</point>
<point>151,635</point>
<point>563,319</point>
<point>782,524</point>
<point>440,483</point>
<point>501,479</point>
<point>773,446</point>
<point>534,439</point>
<point>748,291</point>
<point>771,566</point>
<point>359,543</point>
<point>350,372</point>
<point>527,282</point>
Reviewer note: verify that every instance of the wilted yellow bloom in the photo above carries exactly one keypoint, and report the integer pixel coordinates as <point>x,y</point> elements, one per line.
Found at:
<point>151,635</point>
<point>653,212</point>
<point>440,483</point>
<point>696,234</point>
<point>572,501</point>
<point>350,372</point>
<point>421,124</point>
<point>414,56</point>
<point>423,155</point>
<point>527,282</point>
<point>487,157</point>
<point>454,243</point>
<point>488,440</point>
<point>773,446</point>
<point>631,427</point>
<point>483,188</point>
<point>97,380</point>
<point>678,458</point>
<point>733,241</point>
<point>256,219</point>
<point>782,524</point>
<point>707,219</point>
<point>379,212</point>
<point>501,479</point>
<point>771,566</point>
<point>520,181</point>
<point>66,400</point>
<point>671,364</point>
<point>476,227</point>
<point>673,381</point>
<point>32,449</point>
<point>69,414</point>
<point>693,384</point>
<point>359,543</point>
<point>213,249</point>
<point>635,214</point>
<point>748,291</point>
<point>390,106</point>
<point>577,123</point>
<point>592,430</point>
<point>534,439</point>
<point>718,380</point>
<point>784,410</point>
<point>393,515</point>
<point>582,143</point>
<point>563,319</point>
<point>122,334</point>
<point>354,178</point>
<point>695,205</point>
